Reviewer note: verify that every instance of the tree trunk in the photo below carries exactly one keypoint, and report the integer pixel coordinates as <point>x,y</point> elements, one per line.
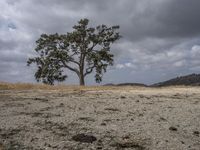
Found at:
<point>81,68</point>
<point>81,79</point>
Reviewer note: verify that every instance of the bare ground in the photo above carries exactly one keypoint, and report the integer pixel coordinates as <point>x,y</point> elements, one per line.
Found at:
<point>107,119</point>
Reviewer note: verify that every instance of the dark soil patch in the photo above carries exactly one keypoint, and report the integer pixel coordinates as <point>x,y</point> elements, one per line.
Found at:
<point>41,99</point>
<point>60,105</point>
<point>84,138</point>
<point>13,105</point>
<point>39,114</point>
<point>162,119</point>
<point>11,139</point>
<point>1,147</point>
<point>56,128</point>
<point>124,145</point>
<point>87,119</point>
<point>4,134</point>
<point>46,109</point>
<point>13,145</point>
<point>112,109</point>
<point>123,97</point>
<point>173,128</point>
<point>197,133</point>
<point>103,124</point>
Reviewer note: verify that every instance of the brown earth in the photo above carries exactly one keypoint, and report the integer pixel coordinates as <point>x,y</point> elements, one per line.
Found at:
<point>106,118</point>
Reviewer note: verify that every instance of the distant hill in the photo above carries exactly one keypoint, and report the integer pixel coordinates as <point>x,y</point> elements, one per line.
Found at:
<point>131,84</point>
<point>126,84</point>
<point>188,80</point>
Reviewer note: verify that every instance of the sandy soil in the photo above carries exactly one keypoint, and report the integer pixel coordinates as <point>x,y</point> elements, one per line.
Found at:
<point>122,118</point>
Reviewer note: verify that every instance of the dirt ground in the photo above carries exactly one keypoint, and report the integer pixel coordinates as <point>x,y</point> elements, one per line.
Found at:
<point>100,119</point>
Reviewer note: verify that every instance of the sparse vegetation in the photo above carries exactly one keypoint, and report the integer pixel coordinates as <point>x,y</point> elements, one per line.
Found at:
<point>188,80</point>
<point>31,86</point>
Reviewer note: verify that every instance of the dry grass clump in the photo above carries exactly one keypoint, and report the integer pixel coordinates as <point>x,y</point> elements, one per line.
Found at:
<point>22,86</point>
<point>63,87</point>
<point>30,86</point>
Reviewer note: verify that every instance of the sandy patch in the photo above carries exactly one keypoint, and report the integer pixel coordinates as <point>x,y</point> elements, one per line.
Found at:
<point>108,119</point>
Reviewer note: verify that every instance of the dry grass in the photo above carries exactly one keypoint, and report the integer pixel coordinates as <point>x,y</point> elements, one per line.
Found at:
<point>62,87</point>
<point>22,86</point>
<point>29,86</point>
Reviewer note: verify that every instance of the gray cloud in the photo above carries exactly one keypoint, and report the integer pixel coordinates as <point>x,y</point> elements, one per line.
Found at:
<point>160,37</point>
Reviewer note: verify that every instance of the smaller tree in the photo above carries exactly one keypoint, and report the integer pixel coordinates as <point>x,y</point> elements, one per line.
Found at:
<point>82,51</point>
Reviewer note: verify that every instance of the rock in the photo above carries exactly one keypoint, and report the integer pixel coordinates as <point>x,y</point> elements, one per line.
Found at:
<point>99,147</point>
<point>61,105</point>
<point>141,115</point>
<point>173,128</point>
<point>123,97</point>
<point>84,138</point>
<point>103,124</point>
<point>162,119</point>
<point>196,133</point>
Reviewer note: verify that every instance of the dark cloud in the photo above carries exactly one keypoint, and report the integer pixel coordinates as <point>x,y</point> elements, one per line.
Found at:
<point>180,18</point>
<point>165,19</point>
<point>160,37</point>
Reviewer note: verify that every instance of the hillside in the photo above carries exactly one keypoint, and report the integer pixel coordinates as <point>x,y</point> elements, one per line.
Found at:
<point>127,84</point>
<point>188,80</point>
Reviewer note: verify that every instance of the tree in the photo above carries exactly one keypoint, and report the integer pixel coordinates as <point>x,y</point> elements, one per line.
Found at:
<point>82,51</point>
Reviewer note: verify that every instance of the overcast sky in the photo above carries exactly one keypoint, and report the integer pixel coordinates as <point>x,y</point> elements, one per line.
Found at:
<point>161,38</point>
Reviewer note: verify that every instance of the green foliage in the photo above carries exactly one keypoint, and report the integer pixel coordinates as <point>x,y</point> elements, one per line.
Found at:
<point>82,51</point>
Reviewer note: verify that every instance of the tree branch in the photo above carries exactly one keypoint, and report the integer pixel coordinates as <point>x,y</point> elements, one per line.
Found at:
<point>72,60</point>
<point>94,44</point>
<point>70,68</point>
<point>89,70</point>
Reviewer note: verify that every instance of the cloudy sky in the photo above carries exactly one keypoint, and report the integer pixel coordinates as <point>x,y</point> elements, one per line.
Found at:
<point>161,38</point>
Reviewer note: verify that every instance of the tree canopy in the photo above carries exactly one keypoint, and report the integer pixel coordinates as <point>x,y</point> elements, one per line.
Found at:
<point>84,50</point>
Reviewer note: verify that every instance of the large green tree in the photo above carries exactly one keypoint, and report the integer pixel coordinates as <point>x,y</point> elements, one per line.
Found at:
<point>82,51</point>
